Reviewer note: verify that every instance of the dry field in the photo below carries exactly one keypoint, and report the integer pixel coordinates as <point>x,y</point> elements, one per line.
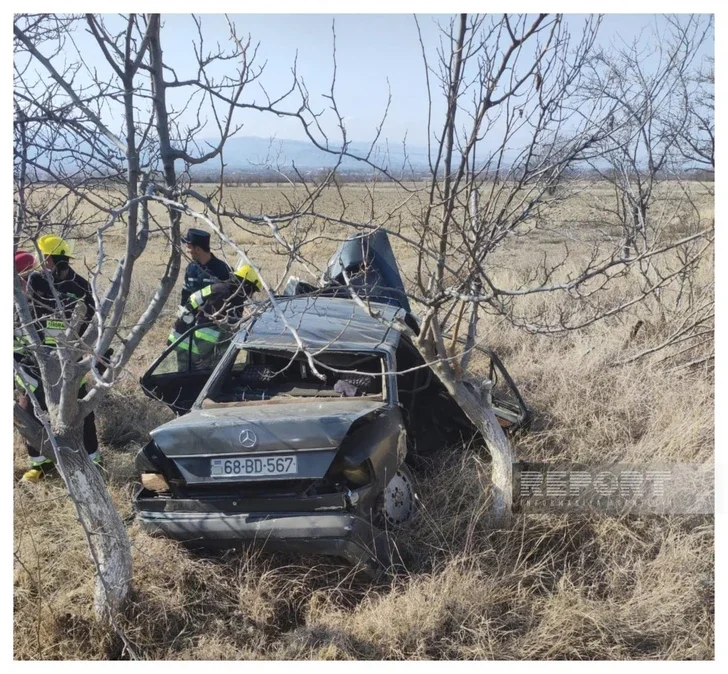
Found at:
<point>552,587</point>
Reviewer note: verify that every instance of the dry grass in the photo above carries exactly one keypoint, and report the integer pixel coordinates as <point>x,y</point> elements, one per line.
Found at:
<point>554,587</point>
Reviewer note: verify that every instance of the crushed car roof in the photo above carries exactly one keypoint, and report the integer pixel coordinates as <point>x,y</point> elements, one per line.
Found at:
<point>338,323</point>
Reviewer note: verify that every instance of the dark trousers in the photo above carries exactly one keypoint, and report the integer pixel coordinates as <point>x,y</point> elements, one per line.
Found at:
<point>90,439</point>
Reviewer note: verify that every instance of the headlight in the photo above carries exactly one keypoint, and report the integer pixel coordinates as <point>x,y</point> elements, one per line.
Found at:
<point>359,475</point>
<point>155,482</point>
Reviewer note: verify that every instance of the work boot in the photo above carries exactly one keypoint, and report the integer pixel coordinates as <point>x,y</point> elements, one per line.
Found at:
<point>38,471</point>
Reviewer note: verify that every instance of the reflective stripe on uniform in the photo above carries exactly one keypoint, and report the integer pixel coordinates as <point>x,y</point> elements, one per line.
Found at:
<point>32,383</point>
<point>20,341</point>
<point>208,335</point>
<point>184,344</point>
<point>196,299</point>
<point>51,330</point>
<point>20,344</point>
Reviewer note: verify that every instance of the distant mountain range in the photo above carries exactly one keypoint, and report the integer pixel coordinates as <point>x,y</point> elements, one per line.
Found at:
<point>249,153</point>
<point>268,156</point>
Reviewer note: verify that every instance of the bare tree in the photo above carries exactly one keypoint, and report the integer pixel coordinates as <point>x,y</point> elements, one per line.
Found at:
<point>664,133</point>
<point>695,127</point>
<point>97,144</point>
<point>64,146</point>
<point>646,81</point>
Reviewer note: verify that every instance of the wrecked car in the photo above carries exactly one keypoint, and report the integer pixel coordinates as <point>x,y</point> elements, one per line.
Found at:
<point>304,451</point>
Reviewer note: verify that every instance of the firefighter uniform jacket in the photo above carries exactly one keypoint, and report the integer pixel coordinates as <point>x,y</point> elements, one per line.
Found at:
<point>216,309</point>
<point>198,275</point>
<point>22,355</point>
<point>50,322</point>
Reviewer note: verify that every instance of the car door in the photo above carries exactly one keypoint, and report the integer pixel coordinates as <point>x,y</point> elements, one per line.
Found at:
<point>175,378</point>
<point>506,399</point>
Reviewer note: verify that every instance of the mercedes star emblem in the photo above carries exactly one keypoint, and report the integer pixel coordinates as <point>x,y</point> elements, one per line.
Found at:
<point>248,438</point>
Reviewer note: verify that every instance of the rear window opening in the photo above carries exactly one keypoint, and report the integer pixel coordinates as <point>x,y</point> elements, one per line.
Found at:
<point>259,375</point>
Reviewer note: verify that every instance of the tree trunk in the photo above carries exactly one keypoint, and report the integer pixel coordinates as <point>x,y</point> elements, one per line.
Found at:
<point>476,405</point>
<point>104,529</point>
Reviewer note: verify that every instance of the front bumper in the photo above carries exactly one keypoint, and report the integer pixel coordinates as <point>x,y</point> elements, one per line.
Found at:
<point>337,533</point>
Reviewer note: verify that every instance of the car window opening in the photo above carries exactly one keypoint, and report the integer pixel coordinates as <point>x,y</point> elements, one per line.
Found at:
<point>258,375</point>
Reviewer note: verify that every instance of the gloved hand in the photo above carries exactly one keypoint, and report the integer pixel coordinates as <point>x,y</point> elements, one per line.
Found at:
<point>186,315</point>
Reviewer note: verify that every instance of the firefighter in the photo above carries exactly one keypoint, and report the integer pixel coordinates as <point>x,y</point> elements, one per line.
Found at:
<point>24,264</point>
<point>71,288</point>
<point>216,309</point>
<point>205,268</point>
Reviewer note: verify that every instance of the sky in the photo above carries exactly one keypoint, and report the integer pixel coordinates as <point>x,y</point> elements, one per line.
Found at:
<point>375,53</point>
<point>372,51</point>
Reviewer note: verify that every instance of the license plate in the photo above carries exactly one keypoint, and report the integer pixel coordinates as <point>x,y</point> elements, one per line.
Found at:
<point>258,466</point>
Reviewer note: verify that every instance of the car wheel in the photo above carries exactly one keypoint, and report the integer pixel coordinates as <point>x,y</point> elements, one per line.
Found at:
<point>397,502</point>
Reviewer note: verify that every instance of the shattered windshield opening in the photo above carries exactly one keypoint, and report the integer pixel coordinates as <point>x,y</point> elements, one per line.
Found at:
<point>256,375</point>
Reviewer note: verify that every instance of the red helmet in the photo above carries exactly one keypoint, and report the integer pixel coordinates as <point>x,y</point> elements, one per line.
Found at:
<point>24,262</point>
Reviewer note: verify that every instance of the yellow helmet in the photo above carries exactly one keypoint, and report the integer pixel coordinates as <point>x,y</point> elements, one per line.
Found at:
<point>50,244</point>
<point>247,273</point>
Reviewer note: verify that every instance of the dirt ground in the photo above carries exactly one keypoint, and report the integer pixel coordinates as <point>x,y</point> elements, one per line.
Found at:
<point>551,587</point>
